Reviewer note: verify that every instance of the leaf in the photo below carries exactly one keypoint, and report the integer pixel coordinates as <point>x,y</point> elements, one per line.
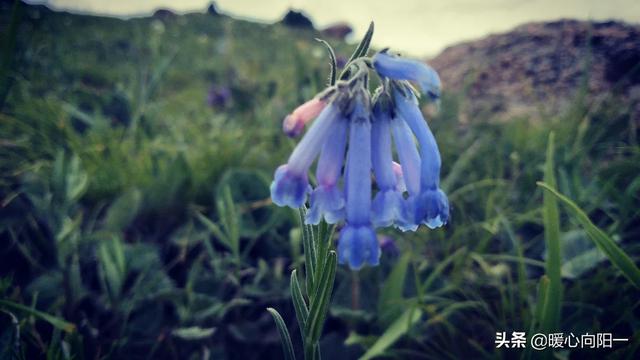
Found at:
<point>193,333</point>
<point>390,301</point>
<point>441,266</point>
<point>363,47</point>
<point>332,62</point>
<point>551,218</point>
<point>309,253</point>
<point>287,346</point>
<point>360,51</point>
<point>539,311</point>
<point>579,254</point>
<point>112,265</point>
<point>605,243</point>
<point>320,300</point>
<point>77,179</point>
<point>55,321</point>
<point>323,246</point>
<point>302,312</point>
<point>215,230</point>
<point>393,333</point>
<point>123,210</point>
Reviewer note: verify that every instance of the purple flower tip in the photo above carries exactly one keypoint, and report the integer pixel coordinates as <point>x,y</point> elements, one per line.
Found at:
<point>327,202</point>
<point>387,208</point>
<point>388,245</point>
<point>289,188</point>
<point>432,208</point>
<point>357,246</point>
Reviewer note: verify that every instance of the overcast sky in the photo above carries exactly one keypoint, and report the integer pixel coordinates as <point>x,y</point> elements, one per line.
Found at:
<point>417,27</point>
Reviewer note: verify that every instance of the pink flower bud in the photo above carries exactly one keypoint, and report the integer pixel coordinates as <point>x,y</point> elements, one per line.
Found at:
<point>294,123</point>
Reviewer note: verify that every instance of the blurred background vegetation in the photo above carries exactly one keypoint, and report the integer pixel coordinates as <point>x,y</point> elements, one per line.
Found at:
<point>135,220</point>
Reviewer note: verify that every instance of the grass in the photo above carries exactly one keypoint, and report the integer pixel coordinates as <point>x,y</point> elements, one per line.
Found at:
<point>137,216</point>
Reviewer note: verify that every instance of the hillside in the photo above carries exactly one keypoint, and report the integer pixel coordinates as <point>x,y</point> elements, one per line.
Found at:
<point>539,69</point>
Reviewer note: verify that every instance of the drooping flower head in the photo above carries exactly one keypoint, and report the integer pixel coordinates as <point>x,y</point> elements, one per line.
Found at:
<point>378,161</point>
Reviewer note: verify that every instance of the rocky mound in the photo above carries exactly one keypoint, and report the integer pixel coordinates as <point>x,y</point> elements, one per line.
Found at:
<point>539,68</point>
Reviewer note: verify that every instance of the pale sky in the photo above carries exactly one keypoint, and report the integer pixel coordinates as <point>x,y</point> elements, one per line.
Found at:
<point>416,27</point>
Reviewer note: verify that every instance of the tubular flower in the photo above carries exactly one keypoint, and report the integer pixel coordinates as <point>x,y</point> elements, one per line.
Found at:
<point>358,244</point>
<point>388,204</point>
<point>291,184</point>
<point>431,206</point>
<point>294,123</point>
<point>327,200</point>
<point>398,68</point>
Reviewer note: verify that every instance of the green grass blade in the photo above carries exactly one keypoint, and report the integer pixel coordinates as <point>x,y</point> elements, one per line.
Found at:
<point>441,266</point>
<point>287,346</point>
<point>393,333</point>
<point>605,243</point>
<point>320,300</point>
<point>539,311</point>
<point>551,218</point>
<point>390,301</point>
<point>54,321</point>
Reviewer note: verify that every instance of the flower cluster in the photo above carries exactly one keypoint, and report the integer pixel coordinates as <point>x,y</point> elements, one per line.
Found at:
<point>353,136</point>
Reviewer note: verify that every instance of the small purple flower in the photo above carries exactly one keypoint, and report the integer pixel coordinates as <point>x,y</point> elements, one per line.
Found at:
<point>431,206</point>
<point>291,184</point>
<point>327,200</point>
<point>218,96</point>
<point>388,245</point>
<point>357,244</point>
<point>398,68</point>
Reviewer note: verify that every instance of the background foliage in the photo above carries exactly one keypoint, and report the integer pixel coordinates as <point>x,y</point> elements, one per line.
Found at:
<point>135,158</point>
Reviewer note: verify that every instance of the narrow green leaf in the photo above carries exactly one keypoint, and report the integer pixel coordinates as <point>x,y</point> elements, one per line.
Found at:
<point>441,266</point>
<point>393,333</point>
<point>360,51</point>
<point>123,210</point>
<point>390,302</point>
<point>309,253</point>
<point>605,243</point>
<point>553,267</point>
<point>193,333</point>
<point>363,47</point>
<point>539,313</point>
<point>320,300</point>
<point>287,346</point>
<point>54,321</point>
<point>215,230</point>
<point>323,246</point>
<point>332,62</point>
<point>302,312</point>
